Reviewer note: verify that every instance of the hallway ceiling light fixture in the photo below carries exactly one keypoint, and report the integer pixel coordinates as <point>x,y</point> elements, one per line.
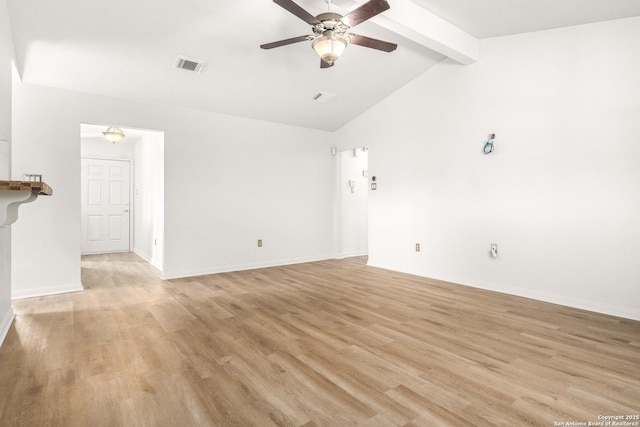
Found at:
<point>114,134</point>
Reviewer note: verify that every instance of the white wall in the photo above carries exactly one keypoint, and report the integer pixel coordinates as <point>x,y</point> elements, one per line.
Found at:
<point>105,149</point>
<point>5,159</point>
<point>6,55</point>
<point>228,182</point>
<point>353,205</point>
<point>560,196</point>
<point>232,181</point>
<point>149,198</point>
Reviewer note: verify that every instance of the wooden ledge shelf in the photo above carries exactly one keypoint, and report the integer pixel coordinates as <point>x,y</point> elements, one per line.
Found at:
<point>15,193</point>
<point>40,187</point>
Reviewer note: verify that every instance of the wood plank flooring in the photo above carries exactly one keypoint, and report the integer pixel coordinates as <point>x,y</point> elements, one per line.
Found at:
<point>333,343</point>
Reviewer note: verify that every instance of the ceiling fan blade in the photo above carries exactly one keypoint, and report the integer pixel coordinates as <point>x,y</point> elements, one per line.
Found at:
<point>285,42</point>
<point>298,11</point>
<point>372,43</point>
<point>364,12</point>
<point>324,64</point>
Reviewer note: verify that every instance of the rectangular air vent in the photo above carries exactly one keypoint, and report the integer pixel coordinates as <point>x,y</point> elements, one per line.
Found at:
<point>189,64</point>
<point>324,97</point>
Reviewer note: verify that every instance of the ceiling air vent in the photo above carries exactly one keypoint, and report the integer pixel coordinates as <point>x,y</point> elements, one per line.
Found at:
<point>324,97</point>
<point>189,64</point>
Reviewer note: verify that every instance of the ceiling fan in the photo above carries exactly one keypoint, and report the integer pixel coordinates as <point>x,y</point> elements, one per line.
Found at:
<point>331,30</point>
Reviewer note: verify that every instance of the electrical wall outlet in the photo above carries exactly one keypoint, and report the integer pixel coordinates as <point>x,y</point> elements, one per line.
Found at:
<point>260,243</point>
<point>417,247</point>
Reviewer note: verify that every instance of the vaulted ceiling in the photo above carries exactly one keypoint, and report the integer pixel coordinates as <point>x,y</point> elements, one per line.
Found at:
<point>127,48</point>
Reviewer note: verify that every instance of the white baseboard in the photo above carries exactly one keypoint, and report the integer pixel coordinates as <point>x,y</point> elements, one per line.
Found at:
<point>38,292</point>
<point>352,254</point>
<point>594,306</point>
<point>240,267</point>
<point>5,324</point>
<point>104,252</point>
<point>147,258</point>
<point>142,255</point>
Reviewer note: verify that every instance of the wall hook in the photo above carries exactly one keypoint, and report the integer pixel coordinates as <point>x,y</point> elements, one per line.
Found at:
<point>488,145</point>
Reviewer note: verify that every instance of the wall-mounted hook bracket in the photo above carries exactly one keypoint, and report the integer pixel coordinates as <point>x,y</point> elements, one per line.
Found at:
<point>488,145</point>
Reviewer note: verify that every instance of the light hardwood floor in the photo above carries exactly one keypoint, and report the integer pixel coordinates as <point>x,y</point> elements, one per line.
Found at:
<point>332,343</point>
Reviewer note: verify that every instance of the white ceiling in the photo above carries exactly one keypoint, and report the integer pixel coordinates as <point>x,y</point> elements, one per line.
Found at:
<point>126,49</point>
<point>494,18</point>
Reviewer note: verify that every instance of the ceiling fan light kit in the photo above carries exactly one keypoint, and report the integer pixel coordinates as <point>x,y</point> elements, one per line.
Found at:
<point>330,46</point>
<point>330,30</point>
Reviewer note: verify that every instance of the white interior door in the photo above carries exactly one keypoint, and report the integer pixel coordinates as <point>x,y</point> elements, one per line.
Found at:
<point>105,206</point>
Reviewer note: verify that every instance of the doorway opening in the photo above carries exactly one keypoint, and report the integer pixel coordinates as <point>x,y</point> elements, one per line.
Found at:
<point>353,201</point>
<point>122,197</point>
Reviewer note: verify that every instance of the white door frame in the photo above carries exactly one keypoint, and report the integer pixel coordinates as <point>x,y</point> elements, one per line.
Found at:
<point>131,190</point>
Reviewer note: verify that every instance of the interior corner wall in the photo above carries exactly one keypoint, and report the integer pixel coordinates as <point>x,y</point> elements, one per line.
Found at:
<point>560,195</point>
<point>228,182</point>
<point>6,57</point>
<point>149,198</point>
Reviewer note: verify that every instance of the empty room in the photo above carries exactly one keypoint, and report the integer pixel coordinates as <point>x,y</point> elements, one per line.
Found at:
<point>320,213</point>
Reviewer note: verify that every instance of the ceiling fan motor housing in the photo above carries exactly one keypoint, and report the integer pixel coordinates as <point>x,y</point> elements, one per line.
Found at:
<point>330,21</point>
